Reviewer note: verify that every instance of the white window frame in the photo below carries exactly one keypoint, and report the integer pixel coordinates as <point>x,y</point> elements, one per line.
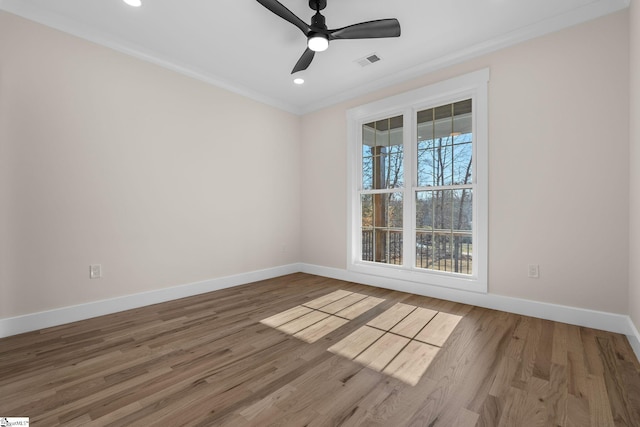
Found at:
<point>473,85</point>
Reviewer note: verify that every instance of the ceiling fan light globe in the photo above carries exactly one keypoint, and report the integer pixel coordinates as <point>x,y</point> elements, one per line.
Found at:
<point>134,3</point>
<point>318,43</point>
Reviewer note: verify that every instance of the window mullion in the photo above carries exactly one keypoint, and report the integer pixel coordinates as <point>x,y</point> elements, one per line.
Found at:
<point>410,160</point>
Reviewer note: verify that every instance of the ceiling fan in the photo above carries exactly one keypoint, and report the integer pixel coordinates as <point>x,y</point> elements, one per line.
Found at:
<point>319,36</point>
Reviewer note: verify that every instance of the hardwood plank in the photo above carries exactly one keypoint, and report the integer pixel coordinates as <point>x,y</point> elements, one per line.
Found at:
<point>542,362</point>
<point>302,322</point>
<point>411,363</point>
<point>414,322</point>
<point>619,402</point>
<point>357,342</point>
<point>592,359</point>
<point>577,412</point>
<point>519,338</point>
<point>342,408</point>
<point>527,358</point>
<point>392,316</point>
<point>466,418</point>
<point>438,330</point>
<point>359,308</point>
<point>556,395</point>
<point>286,316</point>
<point>491,411</point>
<point>505,374</point>
<point>318,330</point>
<point>374,408</point>
<point>560,344</point>
<point>522,409</point>
<point>577,375</point>
<point>599,406</point>
<point>267,403</point>
<point>342,303</point>
<point>381,352</point>
<point>327,299</point>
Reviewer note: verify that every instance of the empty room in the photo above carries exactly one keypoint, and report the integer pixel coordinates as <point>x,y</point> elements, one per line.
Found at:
<point>320,213</point>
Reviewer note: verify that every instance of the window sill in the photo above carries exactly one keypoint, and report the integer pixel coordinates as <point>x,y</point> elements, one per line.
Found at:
<point>433,278</point>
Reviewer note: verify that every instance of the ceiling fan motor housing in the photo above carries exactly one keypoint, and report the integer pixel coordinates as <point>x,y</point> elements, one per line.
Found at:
<point>317,4</point>
<point>318,22</point>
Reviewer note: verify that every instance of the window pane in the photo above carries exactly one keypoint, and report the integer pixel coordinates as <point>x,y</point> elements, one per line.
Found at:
<point>424,210</point>
<point>462,254</point>
<point>395,167</point>
<point>425,135</point>
<point>425,168</point>
<point>442,209</point>
<point>383,154</point>
<point>368,139</point>
<point>444,147</point>
<point>395,210</point>
<point>462,107</point>
<point>386,247</point>
<point>424,249</point>
<point>366,206</point>
<point>444,230</point>
<point>443,161</point>
<point>378,168</point>
<point>367,210</point>
<point>462,125</point>
<point>462,163</point>
<point>462,209</point>
<point>367,173</point>
<point>441,252</point>
<point>425,116</point>
<point>368,142</point>
<point>395,247</point>
<point>435,166</point>
<point>382,227</point>
<point>367,245</point>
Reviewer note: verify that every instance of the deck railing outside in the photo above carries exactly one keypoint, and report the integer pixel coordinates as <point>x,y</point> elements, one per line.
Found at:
<point>443,251</point>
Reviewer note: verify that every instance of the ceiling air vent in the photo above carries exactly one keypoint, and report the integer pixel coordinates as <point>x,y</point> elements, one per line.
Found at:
<point>368,60</point>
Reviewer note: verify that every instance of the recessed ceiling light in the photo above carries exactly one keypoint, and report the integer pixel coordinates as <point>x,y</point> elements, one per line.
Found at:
<point>298,81</point>
<point>134,3</point>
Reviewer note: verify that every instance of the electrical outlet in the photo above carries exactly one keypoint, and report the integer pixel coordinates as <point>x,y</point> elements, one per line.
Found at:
<point>534,271</point>
<point>95,271</point>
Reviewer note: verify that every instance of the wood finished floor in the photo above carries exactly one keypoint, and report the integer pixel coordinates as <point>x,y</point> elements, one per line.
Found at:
<point>207,360</point>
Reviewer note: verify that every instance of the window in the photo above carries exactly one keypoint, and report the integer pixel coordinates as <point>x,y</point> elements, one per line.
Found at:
<point>418,185</point>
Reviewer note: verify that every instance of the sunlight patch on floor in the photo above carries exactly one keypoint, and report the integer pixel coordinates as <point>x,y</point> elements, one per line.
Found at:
<point>401,342</point>
<point>321,316</point>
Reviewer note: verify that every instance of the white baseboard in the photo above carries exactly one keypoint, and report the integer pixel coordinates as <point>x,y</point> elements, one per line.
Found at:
<point>576,316</point>
<point>634,338</point>
<point>60,316</point>
<point>611,322</point>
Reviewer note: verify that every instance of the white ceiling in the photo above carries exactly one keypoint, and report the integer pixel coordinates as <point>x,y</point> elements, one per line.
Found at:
<point>240,45</point>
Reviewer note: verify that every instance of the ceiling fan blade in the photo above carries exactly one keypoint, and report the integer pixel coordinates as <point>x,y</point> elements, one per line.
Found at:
<point>368,30</point>
<point>304,61</point>
<point>284,13</point>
